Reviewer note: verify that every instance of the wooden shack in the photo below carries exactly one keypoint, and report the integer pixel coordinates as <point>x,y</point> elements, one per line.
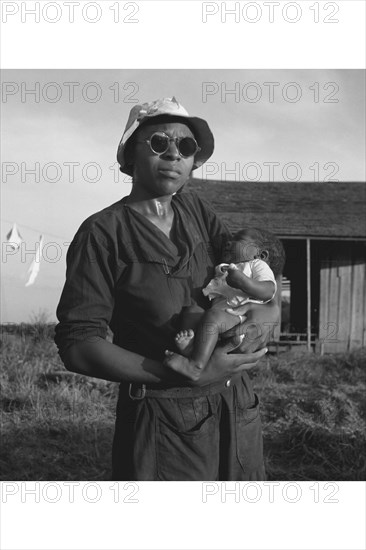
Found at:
<point>323,229</point>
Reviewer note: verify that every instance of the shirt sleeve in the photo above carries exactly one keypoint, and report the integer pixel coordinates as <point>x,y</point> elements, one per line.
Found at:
<point>262,272</point>
<point>87,301</point>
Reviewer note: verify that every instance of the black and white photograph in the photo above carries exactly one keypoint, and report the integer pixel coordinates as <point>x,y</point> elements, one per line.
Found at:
<point>183,278</point>
<point>212,224</point>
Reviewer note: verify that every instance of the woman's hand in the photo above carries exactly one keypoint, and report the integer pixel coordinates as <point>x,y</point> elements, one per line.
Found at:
<point>224,364</point>
<point>257,326</point>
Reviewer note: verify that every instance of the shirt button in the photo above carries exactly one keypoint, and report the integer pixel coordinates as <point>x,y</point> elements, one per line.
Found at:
<point>228,383</point>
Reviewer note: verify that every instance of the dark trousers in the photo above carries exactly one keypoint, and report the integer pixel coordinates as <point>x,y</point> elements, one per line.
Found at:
<point>201,438</point>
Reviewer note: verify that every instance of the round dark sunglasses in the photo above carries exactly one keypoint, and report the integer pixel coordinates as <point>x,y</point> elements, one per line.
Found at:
<point>159,144</point>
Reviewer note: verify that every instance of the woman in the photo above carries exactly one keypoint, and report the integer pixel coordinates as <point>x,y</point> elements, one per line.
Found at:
<point>134,266</point>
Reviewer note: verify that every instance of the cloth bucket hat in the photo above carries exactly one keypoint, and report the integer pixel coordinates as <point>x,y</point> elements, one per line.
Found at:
<point>167,106</point>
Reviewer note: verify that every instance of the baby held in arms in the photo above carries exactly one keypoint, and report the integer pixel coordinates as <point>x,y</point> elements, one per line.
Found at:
<point>253,259</point>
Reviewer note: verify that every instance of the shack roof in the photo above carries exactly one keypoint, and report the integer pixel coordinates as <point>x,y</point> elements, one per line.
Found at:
<point>301,209</point>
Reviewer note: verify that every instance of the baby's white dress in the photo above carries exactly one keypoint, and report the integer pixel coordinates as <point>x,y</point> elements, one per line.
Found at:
<point>255,269</point>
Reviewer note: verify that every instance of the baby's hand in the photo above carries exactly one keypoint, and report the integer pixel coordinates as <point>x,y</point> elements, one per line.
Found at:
<point>234,276</point>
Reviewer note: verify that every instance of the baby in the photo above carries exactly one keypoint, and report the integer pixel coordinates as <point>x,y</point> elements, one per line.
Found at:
<point>254,258</point>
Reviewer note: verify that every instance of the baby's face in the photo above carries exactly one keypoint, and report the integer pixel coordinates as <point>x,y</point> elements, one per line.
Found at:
<point>241,251</point>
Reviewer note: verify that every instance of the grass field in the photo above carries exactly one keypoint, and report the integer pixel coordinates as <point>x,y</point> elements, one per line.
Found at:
<point>60,426</point>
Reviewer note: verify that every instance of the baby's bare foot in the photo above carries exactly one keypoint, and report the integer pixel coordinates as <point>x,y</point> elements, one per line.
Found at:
<point>184,342</point>
<point>181,364</point>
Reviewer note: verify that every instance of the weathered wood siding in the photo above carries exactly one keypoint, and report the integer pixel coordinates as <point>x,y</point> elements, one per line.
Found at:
<point>342,307</point>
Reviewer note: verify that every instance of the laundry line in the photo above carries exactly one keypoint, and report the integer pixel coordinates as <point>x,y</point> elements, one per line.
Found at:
<point>36,230</point>
<point>15,241</point>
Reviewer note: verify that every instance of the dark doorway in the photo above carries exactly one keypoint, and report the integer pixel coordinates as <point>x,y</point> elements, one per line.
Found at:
<point>294,302</point>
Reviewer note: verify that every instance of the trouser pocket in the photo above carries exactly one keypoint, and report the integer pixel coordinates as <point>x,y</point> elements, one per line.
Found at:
<point>186,450</point>
<point>249,442</point>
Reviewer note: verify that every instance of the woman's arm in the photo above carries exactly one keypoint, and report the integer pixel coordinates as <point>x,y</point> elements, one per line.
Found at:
<point>101,359</point>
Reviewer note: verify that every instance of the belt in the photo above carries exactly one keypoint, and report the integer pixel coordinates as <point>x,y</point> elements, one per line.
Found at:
<point>139,391</point>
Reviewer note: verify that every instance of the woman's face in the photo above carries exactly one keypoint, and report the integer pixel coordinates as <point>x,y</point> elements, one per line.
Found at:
<point>160,175</point>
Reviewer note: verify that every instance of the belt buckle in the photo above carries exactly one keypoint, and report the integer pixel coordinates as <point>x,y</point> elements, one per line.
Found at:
<point>141,390</point>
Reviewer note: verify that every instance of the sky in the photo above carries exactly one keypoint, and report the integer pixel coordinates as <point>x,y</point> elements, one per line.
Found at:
<point>268,125</point>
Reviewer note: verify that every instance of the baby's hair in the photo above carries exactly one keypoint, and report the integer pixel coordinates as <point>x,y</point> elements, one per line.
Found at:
<point>265,241</point>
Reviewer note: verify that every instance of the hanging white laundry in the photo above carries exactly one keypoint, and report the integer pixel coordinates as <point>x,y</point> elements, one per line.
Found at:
<point>14,238</point>
<point>35,265</point>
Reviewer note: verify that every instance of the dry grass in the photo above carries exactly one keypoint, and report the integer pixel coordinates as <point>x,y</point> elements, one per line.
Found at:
<point>314,413</point>
<point>61,426</point>
<point>52,427</point>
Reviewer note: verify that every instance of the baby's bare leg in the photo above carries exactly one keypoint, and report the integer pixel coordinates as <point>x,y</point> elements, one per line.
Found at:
<point>190,319</point>
<point>214,322</point>
<point>184,342</point>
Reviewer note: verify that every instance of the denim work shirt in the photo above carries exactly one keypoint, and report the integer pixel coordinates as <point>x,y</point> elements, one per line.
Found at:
<point>123,272</point>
